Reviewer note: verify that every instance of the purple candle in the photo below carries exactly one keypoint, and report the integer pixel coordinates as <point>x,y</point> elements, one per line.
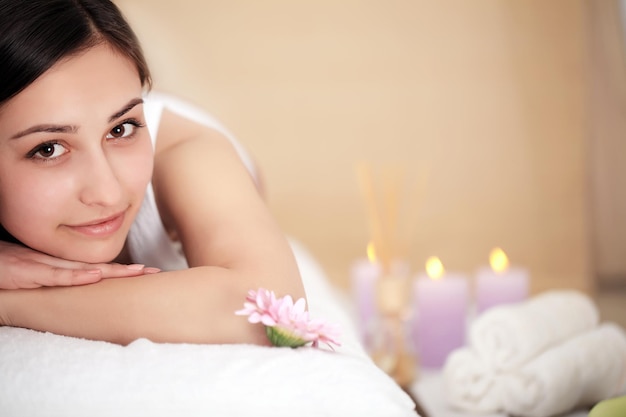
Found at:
<point>500,284</point>
<point>441,301</point>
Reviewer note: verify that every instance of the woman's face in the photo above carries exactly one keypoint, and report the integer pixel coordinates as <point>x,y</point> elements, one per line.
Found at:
<point>75,157</point>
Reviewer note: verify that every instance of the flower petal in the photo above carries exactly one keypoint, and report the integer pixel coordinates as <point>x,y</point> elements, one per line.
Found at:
<point>287,323</point>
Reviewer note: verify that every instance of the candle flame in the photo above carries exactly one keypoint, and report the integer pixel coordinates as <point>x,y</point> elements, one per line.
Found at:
<point>434,268</point>
<point>371,252</point>
<point>498,260</point>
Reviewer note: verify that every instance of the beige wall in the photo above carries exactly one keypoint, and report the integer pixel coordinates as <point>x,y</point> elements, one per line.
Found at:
<point>487,97</point>
<point>607,145</point>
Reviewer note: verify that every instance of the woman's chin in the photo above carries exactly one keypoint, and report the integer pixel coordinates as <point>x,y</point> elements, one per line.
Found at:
<point>95,256</point>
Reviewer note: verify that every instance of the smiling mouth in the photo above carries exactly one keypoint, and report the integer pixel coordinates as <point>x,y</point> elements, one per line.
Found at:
<point>101,228</point>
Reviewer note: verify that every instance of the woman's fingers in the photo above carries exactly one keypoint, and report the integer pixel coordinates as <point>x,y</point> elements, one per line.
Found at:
<point>115,270</point>
<point>62,277</point>
<point>29,274</point>
<point>34,274</point>
<point>21,267</point>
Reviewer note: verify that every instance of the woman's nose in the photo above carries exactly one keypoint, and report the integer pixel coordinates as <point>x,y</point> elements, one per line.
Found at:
<point>100,185</point>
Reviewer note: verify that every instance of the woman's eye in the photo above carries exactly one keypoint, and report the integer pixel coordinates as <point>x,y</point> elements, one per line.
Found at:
<point>123,130</point>
<point>49,150</point>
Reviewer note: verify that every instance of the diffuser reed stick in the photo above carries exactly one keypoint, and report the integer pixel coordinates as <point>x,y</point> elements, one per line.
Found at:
<point>392,289</point>
<point>374,215</point>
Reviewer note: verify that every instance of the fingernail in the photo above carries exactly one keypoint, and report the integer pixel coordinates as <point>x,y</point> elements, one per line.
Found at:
<point>135,267</point>
<point>94,271</point>
<point>151,270</point>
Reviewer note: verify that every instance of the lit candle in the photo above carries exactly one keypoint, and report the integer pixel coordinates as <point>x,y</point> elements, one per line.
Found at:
<point>500,283</point>
<point>364,275</point>
<point>441,301</point>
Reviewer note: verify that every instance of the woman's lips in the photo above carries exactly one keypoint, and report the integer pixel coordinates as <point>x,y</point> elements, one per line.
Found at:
<point>101,228</point>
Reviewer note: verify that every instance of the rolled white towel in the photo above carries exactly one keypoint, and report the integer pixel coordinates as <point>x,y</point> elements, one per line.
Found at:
<point>583,370</point>
<point>470,384</point>
<point>508,336</point>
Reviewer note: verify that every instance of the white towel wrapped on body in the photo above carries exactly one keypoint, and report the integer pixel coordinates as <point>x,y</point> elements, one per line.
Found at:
<point>470,384</point>
<point>581,371</point>
<point>508,336</point>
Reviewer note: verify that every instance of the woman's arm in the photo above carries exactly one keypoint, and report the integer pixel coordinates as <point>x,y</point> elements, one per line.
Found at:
<point>232,244</point>
<point>191,306</point>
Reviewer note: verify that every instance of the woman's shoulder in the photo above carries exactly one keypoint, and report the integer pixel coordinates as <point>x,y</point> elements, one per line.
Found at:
<point>157,101</point>
<point>172,120</point>
<point>180,118</point>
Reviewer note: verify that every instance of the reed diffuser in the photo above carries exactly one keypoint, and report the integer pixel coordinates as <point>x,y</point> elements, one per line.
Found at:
<point>391,216</point>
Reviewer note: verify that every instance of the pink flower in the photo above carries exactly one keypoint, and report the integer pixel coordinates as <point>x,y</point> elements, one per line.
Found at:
<point>287,323</point>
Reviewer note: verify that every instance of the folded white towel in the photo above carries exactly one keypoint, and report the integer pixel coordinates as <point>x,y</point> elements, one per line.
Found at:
<point>508,336</point>
<point>581,371</point>
<point>470,384</point>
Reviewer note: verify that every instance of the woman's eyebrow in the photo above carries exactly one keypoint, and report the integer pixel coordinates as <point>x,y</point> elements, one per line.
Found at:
<point>52,128</point>
<point>49,128</point>
<point>128,107</point>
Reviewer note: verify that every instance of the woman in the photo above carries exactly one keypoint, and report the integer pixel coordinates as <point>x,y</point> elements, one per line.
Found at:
<point>76,159</point>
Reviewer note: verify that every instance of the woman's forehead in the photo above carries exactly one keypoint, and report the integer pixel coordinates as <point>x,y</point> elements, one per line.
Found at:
<point>94,82</point>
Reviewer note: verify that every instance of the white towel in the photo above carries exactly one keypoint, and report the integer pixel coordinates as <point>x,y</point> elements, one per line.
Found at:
<point>581,371</point>
<point>470,384</point>
<point>43,374</point>
<point>508,336</point>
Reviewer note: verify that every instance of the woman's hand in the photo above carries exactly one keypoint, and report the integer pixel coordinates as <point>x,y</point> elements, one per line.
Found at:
<point>22,267</point>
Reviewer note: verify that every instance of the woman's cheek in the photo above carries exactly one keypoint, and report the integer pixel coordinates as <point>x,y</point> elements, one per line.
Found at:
<point>138,164</point>
<point>39,201</point>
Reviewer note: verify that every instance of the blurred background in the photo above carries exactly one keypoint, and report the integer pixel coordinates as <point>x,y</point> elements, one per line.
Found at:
<point>506,117</point>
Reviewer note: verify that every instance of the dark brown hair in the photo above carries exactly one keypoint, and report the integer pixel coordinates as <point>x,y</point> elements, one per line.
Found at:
<point>36,34</point>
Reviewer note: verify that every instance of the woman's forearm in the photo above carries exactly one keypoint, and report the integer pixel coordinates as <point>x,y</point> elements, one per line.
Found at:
<point>191,306</point>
